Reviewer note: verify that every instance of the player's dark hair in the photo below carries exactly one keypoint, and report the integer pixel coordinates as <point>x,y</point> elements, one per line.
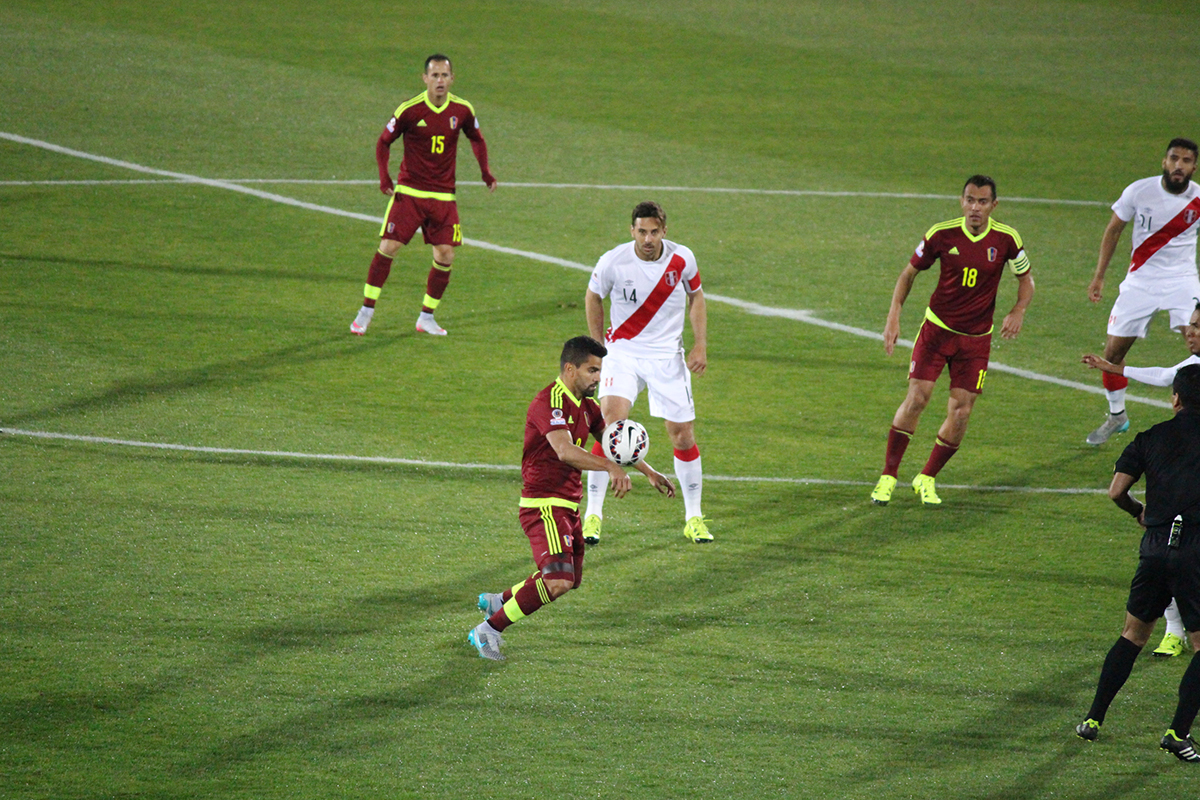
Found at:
<point>438,57</point>
<point>648,210</point>
<point>1187,386</point>
<point>981,181</point>
<point>578,350</point>
<point>1186,144</point>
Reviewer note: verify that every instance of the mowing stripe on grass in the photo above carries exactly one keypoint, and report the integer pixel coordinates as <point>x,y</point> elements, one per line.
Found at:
<point>745,305</point>
<point>467,465</point>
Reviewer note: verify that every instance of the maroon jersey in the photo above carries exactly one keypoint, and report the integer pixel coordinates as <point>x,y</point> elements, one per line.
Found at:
<point>430,144</point>
<point>965,298</point>
<point>556,409</point>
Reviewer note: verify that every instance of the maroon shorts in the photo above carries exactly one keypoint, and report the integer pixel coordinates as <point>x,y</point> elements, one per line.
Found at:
<point>437,219</point>
<point>556,539</point>
<point>967,357</point>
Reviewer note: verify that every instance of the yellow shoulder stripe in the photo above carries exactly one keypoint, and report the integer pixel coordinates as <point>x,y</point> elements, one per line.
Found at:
<point>1011,231</point>
<point>458,99</point>
<point>941,226</point>
<point>412,101</point>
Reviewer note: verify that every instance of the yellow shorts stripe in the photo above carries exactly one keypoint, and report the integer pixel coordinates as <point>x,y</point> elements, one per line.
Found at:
<point>546,502</point>
<point>411,192</point>
<point>553,543</point>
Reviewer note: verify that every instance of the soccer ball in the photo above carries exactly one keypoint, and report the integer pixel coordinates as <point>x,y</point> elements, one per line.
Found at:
<point>625,442</point>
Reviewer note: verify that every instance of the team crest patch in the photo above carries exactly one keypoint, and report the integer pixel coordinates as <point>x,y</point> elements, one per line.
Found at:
<point>453,123</point>
<point>992,253</point>
<point>1190,215</point>
<point>672,277</point>
<point>568,540</point>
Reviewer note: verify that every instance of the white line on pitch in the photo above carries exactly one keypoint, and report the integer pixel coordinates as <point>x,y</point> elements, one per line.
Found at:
<point>416,462</point>
<point>745,305</point>
<point>585,186</point>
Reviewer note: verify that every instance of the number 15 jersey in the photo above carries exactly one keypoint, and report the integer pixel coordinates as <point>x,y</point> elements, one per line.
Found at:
<point>647,299</point>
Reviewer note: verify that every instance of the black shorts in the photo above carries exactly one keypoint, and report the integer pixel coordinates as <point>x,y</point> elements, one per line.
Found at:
<point>1165,572</point>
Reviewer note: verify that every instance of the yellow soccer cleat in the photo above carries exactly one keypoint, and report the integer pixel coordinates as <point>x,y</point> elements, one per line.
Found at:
<point>883,490</point>
<point>923,486</point>
<point>697,531</point>
<point>1171,645</point>
<point>591,529</point>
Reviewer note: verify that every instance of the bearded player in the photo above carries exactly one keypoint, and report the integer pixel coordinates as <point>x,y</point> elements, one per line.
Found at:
<point>557,425</point>
<point>424,195</point>
<point>957,331</point>
<point>1164,211</point>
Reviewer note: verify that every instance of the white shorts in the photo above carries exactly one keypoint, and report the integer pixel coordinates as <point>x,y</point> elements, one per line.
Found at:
<point>668,381</point>
<point>1136,304</point>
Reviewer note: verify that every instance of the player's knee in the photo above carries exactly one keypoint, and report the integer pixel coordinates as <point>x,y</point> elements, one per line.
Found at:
<point>389,247</point>
<point>557,587</point>
<point>683,436</point>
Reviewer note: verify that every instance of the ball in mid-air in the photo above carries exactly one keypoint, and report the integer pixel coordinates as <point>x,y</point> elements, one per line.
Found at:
<point>625,442</point>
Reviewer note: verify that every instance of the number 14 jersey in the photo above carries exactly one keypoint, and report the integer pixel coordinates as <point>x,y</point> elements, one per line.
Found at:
<point>647,299</point>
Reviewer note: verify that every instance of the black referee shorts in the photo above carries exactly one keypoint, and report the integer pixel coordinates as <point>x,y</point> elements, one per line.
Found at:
<point>1165,572</point>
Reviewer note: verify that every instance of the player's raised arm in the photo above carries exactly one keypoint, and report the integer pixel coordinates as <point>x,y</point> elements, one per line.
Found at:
<point>891,328</point>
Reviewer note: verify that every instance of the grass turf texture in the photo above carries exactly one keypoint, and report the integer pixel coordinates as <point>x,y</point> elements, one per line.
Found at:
<point>185,625</point>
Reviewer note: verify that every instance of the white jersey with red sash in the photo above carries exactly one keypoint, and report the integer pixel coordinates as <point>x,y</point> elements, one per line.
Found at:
<point>1164,230</point>
<point>647,299</point>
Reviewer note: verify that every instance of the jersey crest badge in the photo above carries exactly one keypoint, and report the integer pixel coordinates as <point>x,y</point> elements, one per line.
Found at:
<point>672,277</point>
<point>1190,215</point>
<point>453,123</point>
<point>992,253</point>
<point>568,540</point>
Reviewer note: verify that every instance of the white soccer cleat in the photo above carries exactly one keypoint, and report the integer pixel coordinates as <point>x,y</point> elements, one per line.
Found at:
<point>1116,423</point>
<point>359,326</point>
<point>426,324</point>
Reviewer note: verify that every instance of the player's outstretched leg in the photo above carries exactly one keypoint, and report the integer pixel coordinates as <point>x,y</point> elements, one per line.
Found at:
<point>435,287</point>
<point>690,471</point>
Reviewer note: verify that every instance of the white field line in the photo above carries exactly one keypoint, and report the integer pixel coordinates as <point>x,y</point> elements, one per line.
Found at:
<point>602,187</point>
<point>416,462</point>
<point>745,305</point>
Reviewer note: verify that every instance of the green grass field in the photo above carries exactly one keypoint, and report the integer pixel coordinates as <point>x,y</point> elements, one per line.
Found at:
<point>211,624</point>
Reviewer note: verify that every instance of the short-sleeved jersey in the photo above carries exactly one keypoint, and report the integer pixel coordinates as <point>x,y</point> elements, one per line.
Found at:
<point>972,265</point>
<point>1164,228</point>
<point>1168,454</point>
<point>431,141</point>
<point>556,409</point>
<point>647,299</point>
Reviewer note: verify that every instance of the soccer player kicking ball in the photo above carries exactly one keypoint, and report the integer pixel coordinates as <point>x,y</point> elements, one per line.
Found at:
<point>558,422</point>
<point>650,283</point>
<point>957,331</point>
<point>424,196</point>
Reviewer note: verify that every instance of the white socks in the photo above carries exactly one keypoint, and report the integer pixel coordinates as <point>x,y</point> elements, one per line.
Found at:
<point>1116,400</point>
<point>691,484</point>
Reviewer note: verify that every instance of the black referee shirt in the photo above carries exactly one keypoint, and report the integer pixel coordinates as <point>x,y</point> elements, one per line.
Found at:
<point>1168,454</point>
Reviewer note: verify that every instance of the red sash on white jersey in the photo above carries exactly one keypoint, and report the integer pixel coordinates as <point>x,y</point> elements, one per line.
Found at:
<point>639,319</point>
<point>1161,237</point>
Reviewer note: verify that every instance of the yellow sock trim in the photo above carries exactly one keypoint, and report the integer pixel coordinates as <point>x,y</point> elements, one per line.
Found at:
<point>430,302</point>
<point>372,292</point>
<point>513,610</point>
